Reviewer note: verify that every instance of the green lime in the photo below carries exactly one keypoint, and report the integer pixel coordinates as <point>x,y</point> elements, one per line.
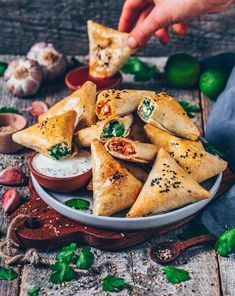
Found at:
<point>182,70</point>
<point>212,82</point>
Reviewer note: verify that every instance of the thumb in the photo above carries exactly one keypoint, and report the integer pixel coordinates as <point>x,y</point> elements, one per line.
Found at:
<point>160,17</point>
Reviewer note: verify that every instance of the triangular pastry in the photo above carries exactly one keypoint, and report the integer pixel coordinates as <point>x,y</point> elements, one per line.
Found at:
<point>114,188</point>
<point>82,101</point>
<point>168,187</point>
<point>51,137</point>
<point>108,50</point>
<point>111,102</point>
<point>199,164</point>
<point>164,112</point>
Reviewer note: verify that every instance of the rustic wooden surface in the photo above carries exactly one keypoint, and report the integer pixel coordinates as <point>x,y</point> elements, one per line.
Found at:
<point>210,274</point>
<point>63,22</point>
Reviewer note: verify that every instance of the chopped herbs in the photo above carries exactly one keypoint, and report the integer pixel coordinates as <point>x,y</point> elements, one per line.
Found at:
<point>3,67</point>
<point>61,272</point>
<point>34,291</point>
<point>212,149</point>
<point>193,230</point>
<point>67,254</point>
<point>78,203</point>
<point>59,150</point>
<point>9,110</point>
<point>7,274</point>
<point>86,258</point>
<point>113,129</point>
<point>176,275</point>
<point>140,70</point>
<point>113,283</point>
<point>226,243</point>
<point>190,109</point>
<point>146,109</point>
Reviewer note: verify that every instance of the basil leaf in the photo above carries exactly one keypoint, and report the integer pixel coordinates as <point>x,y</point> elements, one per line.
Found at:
<point>176,275</point>
<point>34,291</point>
<point>86,258</point>
<point>192,231</point>
<point>213,150</point>
<point>9,110</point>
<point>61,272</point>
<point>3,67</point>
<point>67,254</point>
<point>140,70</point>
<point>78,203</point>
<point>190,109</point>
<point>226,243</point>
<point>113,283</point>
<point>7,274</point>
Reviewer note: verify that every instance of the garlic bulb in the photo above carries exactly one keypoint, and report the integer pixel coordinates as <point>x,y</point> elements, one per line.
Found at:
<point>23,77</point>
<point>53,63</point>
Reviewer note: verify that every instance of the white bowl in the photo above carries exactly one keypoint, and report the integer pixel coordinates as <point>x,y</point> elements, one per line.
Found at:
<point>118,222</point>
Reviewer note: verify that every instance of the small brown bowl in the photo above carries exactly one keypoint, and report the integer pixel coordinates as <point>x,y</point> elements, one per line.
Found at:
<point>66,184</point>
<point>7,145</point>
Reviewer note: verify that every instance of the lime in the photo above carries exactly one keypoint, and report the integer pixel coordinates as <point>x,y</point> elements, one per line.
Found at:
<point>212,82</point>
<point>182,70</point>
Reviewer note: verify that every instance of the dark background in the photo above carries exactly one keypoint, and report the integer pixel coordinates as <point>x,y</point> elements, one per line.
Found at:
<point>63,22</point>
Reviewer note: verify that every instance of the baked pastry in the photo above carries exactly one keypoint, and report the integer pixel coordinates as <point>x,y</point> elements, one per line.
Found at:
<point>199,164</point>
<point>108,50</point>
<point>51,137</point>
<point>164,112</point>
<point>104,130</point>
<point>134,151</point>
<point>114,188</point>
<point>82,101</point>
<point>111,102</point>
<point>168,187</point>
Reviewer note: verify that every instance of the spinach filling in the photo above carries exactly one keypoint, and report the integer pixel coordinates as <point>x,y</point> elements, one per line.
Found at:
<point>113,129</point>
<point>146,108</point>
<point>59,150</point>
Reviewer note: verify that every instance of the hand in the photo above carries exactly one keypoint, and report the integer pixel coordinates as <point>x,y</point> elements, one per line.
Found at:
<point>144,18</point>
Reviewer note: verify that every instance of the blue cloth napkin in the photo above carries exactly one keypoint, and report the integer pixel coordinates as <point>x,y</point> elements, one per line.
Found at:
<point>220,132</point>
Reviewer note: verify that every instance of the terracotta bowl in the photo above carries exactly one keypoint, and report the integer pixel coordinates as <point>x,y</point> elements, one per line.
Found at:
<point>7,145</point>
<point>75,78</point>
<point>66,184</point>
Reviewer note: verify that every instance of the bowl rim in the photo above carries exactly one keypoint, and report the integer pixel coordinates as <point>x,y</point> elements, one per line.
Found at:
<point>34,171</point>
<point>18,129</point>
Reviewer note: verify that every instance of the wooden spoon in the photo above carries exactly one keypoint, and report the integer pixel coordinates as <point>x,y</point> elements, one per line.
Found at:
<point>168,251</point>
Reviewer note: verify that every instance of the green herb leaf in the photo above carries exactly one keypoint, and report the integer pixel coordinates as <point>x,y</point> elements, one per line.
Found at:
<point>61,272</point>
<point>213,150</point>
<point>190,109</point>
<point>86,258</point>
<point>7,274</point>
<point>192,231</point>
<point>226,243</point>
<point>140,70</point>
<point>3,67</point>
<point>34,291</point>
<point>67,254</point>
<point>113,283</point>
<point>9,110</point>
<point>74,63</point>
<point>78,203</point>
<point>176,275</point>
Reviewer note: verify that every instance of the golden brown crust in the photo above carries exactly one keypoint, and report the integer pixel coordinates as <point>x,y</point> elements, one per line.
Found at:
<point>82,101</point>
<point>108,50</point>
<point>195,161</point>
<point>114,188</point>
<point>168,187</point>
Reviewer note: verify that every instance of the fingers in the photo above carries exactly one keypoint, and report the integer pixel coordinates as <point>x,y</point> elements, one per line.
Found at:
<point>130,14</point>
<point>163,35</point>
<point>180,29</point>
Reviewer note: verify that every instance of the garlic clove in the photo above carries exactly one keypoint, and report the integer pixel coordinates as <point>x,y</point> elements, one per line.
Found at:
<point>10,200</point>
<point>37,108</point>
<point>12,176</point>
<point>53,63</point>
<point>23,77</point>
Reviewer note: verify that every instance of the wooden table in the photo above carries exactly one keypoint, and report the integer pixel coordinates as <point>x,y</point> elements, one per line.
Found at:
<point>210,273</point>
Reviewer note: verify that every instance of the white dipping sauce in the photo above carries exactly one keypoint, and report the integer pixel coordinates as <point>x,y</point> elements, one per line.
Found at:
<point>62,168</point>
